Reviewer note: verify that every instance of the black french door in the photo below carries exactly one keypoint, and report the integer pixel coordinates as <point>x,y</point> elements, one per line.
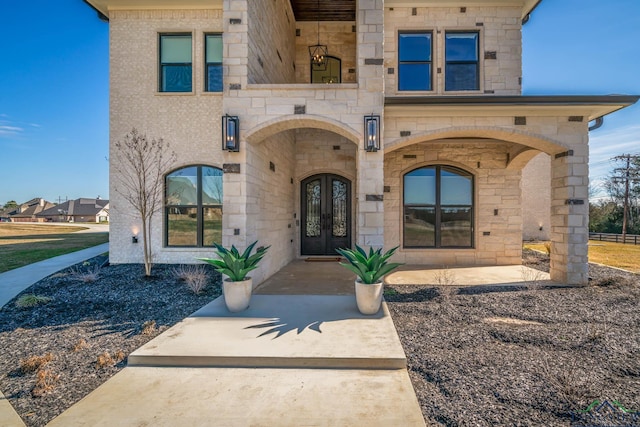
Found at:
<point>326,214</point>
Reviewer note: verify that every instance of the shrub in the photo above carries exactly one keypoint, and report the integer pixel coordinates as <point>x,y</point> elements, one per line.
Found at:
<point>31,300</point>
<point>148,327</point>
<point>45,382</point>
<point>87,276</point>
<point>81,344</point>
<point>193,276</point>
<point>33,363</point>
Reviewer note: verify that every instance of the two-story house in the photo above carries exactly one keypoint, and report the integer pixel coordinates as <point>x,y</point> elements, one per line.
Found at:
<point>313,125</point>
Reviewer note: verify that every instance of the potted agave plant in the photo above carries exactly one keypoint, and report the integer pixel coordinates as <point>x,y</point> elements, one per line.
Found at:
<point>237,287</point>
<point>370,269</point>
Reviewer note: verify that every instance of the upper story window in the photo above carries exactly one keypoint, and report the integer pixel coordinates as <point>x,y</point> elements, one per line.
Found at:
<point>415,60</point>
<point>462,70</point>
<point>175,63</point>
<point>193,207</point>
<point>438,208</point>
<point>213,62</point>
<point>332,73</point>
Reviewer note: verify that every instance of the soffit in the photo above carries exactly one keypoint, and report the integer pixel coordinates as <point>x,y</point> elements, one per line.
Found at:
<point>526,5</point>
<point>104,6</point>
<point>588,106</point>
<point>333,10</point>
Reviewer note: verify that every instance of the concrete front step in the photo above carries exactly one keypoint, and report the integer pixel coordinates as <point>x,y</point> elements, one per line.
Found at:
<point>230,397</point>
<point>279,331</point>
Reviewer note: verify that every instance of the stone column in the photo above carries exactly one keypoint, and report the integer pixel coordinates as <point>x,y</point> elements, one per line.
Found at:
<point>570,215</point>
<point>370,185</point>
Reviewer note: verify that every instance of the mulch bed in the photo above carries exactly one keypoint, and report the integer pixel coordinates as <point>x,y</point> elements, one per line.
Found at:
<point>523,356</point>
<point>477,356</point>
<point>88,327</point>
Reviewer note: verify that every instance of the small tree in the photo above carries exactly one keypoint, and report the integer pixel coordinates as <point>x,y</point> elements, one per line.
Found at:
<point>140,164</point>
<point>11,204</point>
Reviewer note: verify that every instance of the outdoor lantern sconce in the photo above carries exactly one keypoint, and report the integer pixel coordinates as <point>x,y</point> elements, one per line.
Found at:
<point>134,239</point>
<point>372,133</point>
<point>230,133</point>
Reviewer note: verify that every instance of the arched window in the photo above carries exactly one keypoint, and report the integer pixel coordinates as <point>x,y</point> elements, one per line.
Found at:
<point>329,73</point>
<point>438,208</point>
<point>193,207</point>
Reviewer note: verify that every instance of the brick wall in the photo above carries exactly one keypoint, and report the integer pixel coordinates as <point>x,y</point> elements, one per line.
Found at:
<point>189,122</point>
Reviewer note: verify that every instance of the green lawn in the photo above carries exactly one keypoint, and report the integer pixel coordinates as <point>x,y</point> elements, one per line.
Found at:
<point>22,244</point>
<point>617,255</point>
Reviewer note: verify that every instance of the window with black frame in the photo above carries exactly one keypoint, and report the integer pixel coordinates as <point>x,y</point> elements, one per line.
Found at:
<point>415,61</point>
<point>462,68</point>
<point>213,63</point>
<point>193,207</point>
<point>438,208</point>
<point>175,63</point>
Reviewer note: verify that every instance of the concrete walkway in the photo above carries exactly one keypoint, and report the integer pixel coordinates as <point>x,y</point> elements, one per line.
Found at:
<point>14,281</point>
<point>289,360</point>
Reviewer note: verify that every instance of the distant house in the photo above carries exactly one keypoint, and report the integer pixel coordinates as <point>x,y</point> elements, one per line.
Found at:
<point>28,211</point>
<point>78,210</point>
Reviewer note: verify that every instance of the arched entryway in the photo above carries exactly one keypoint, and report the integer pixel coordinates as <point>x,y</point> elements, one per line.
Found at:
<point>325,202</point>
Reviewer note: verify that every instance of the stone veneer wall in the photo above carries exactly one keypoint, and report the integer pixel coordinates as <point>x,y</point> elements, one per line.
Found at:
<point>271,29</point>
<point>270,201</point>
<point>496,187</point>
<point>189,122</point>
<point>500,32</point>
<point>341,43</point>
<point>536,196</point>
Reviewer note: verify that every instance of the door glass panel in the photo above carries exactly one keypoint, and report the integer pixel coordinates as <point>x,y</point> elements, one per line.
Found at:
<point>339,214</point>
<point>313,208</point>
<point>455,227</point>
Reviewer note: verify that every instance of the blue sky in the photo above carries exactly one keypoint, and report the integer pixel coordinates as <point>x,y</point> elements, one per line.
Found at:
<point>54,87</point>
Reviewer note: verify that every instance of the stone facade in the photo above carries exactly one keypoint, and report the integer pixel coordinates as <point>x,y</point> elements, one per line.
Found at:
<point>536,196</point>
<point>291,129</point>
<point>500,38</point>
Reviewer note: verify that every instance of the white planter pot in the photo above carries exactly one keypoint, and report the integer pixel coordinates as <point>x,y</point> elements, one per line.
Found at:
<point>369,297</point>
<point>237,295</point>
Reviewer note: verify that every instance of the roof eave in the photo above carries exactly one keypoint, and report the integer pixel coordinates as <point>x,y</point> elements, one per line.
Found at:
<point>593,106</point>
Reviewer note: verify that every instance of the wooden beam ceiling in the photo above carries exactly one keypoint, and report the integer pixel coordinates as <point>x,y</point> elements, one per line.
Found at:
<point>327,10</point>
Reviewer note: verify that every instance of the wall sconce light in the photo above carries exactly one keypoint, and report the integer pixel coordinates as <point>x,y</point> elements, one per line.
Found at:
<point>540,228</point>
<point>372,133</point>
<point>230,133</point>
<point>134,239</point>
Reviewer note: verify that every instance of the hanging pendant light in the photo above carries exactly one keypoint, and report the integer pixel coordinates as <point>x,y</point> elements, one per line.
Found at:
<point>318,52</point>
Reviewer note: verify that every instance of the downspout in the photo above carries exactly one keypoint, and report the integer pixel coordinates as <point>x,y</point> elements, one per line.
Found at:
<point>599,122</point>
<point>528,15</point>
<point>101,16</point>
